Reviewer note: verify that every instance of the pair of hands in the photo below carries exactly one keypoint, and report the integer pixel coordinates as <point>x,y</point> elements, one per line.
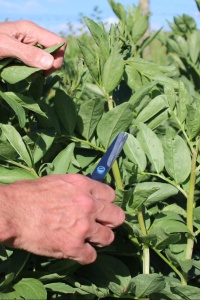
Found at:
<point>61,216</point>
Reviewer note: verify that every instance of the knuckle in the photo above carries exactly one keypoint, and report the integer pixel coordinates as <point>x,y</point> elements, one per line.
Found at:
<point>25,23</point>
<point>87,204</point>
<point>83,227</point>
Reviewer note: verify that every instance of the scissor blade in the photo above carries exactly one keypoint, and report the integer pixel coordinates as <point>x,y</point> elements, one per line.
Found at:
<point>109,157</point>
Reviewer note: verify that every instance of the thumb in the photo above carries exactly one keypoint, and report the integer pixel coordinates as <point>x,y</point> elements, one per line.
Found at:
<point>35,57</point>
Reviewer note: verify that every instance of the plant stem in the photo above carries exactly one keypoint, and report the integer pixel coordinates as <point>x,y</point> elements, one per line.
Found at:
<point>31,170</point>
<point>75,139</point>
<point>117,176</point>
<point>146,254</point>
<point>183,130</point>
<point>115,167</point>
<point>190,205</point>
<point>183,281</point>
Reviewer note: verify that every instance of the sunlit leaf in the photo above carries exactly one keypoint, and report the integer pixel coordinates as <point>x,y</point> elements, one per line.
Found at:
<point>145,284</point>
<point>135,153</point>
<point>99,36</point>
<point>113,122</point>
<point>17,142</point>
<point>113,71</point>
<point>177,157</point>
<point>89,114</point>
<point>17,73</point>
<point>30,288</point>
<point>152,146</point>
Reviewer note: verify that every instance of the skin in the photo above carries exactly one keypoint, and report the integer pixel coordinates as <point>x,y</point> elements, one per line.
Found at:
<point>61,216</point>
<point>17,40</point>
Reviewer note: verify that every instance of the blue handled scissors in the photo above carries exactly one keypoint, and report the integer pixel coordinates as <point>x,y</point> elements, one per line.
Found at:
<point>109,157</point>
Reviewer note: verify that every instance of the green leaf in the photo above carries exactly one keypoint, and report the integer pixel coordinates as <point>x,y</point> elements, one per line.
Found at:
<point>198,4</point>
<point>140,26</point>
<point>152,146</point>
<point>192,119</point>
<point>153,71</point>
<point>61,287</point>
<point>90,59</point>
<point>16,141</point>
<point>66,110</point>
<point>26,102</point>
<point>177,157</point>
<point>4,62</point>
<point>186,292</point>
<point>53,49</point>
<point>159,119</point>
<point>17,108</point>
<point>182,44</point>
<point>43,142</point>
<point>30,288</point>
<point>141,93</point>
<point>66,266</point>
<point>164,239</point>
<point>186,264</point>
<point>175,208</point>
<point>146,284</point>
<point>107,272</point>
<point>9,175</point>
<point>183,101</point>
<point>170,95</point>
<point>14,74</point>
<point>167,293</point>
<point>61,162</point>
<point>118,9</point>
<point>134,152</point>
<point>10,295</point>
<point>89,114</point>
<point>140,196</point>
<point>194,48</point>
<point>17,261</point>
<point>171,226</point>
<point>113,122</point>
<point>99,36</point>
<point>154,107</point>
<point>133,78</point>
<point>163,192</point>
<point>112,71</point>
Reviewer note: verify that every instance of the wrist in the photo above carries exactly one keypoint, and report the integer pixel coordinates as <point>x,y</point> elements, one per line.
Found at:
<point>7,231</point>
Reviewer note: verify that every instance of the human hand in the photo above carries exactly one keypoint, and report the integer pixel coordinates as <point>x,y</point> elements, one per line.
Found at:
<point>60,216</point>
<point>17,40</point>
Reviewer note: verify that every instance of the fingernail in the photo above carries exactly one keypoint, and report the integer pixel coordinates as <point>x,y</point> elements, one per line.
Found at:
<point>46,62</point>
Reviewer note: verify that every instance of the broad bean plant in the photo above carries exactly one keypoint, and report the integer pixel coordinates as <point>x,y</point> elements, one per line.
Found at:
<point>65,122</point>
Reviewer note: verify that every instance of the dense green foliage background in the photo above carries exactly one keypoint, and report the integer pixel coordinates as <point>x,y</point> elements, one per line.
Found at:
<point>113,80</point>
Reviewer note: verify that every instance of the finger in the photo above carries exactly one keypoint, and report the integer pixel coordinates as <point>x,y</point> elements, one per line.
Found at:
<point>83,253</point>
<point>102,191</point>
<point>29,54</point>
<point>31,33</point>
<point>58,61</point>
<point>97,189</point>
<point>109,214</point>
<point>101,235</point>
<point>36,34</point>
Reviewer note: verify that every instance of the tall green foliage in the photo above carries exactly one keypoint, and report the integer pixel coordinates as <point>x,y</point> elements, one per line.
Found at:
<point>64,123</point>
